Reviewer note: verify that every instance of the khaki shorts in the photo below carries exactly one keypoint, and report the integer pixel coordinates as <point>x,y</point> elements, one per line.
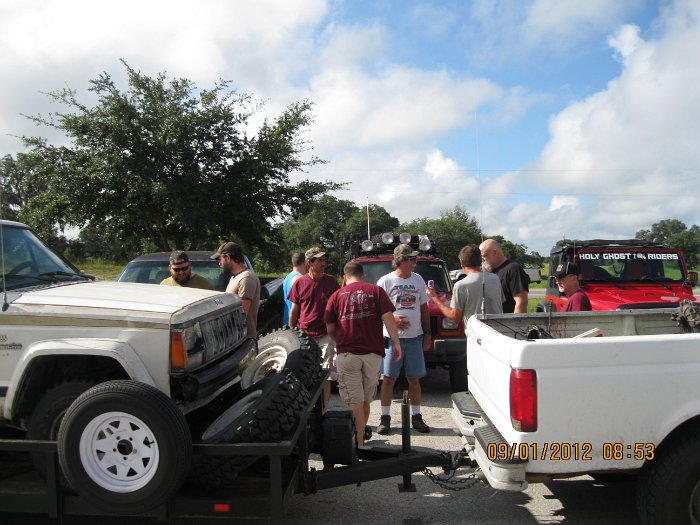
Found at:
<point>327,346</point>
<point>358,376</point>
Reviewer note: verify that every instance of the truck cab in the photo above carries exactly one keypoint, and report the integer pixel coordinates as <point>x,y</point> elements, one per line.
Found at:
<point>449,344</point>
<point>622,274</point>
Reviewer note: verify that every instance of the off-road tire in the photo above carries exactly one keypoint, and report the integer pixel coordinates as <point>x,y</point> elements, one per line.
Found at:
<point>48,413</point>
<point>265,413</point>
<point>668,488</point>
<point>125,447</point>
<point>285,349</point>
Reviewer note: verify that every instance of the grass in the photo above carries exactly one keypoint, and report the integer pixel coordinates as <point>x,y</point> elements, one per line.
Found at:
<point>103,271</point>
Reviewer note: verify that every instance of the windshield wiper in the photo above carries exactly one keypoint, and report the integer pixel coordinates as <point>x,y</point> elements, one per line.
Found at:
<point>647,278</point>
<point>16,276</point>
<point>60,273</point>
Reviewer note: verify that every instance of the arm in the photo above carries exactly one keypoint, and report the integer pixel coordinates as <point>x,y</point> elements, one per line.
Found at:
<point>425,323</point>
<point>294,315</point>
<point>521,302</point>
<point>453,314</point>
<point>330,328</point>
<point>246,304</point>
<point>391,327</point>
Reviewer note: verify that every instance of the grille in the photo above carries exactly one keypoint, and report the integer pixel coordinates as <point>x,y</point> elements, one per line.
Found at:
<point>223,333</point>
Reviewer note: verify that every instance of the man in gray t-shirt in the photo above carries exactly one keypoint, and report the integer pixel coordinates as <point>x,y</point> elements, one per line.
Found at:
<point>476,291</point>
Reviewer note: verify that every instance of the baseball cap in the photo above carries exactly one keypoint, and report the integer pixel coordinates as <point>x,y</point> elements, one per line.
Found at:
<point>179,256</point>
<point>313,253</point>
<point>565,269</point>
<point>230,248</point>
<point>404,250</point>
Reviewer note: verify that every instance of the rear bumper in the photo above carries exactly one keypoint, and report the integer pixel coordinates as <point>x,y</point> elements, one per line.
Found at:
<point>483,438</point>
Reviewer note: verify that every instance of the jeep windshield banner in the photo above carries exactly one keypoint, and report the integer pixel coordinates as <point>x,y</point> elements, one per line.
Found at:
<point>624,256</point>
<point>637,266</point>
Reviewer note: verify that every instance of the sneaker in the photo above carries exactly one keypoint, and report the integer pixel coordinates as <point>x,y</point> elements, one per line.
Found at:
<point>419,424</point>
<point>384,425</point>
<point>368,433</point>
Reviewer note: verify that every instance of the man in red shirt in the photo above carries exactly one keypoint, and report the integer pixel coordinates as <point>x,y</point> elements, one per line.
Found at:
<point>309,295</point>
<point>566,276</point>
<point>354,316</point>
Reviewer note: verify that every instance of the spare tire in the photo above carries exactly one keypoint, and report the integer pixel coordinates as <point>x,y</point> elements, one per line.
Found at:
<point>264,413</point>
<point>285,349</point>
<point>125,447</point>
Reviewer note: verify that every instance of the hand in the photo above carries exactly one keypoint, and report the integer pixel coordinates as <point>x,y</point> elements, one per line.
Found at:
<point>431,293</point>
<point>401,322</point>
<point>396,352</point>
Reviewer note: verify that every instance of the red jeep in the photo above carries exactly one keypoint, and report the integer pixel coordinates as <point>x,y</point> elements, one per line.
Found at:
<point>622,274</point>
<point>449,343</point>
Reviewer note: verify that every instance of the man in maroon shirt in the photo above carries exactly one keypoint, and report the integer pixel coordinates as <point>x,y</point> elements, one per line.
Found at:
<point>354,316</point>
<point>566,276</point>
<point>309,295</point>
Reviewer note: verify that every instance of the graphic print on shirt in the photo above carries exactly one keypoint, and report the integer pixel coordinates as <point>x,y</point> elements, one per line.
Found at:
<point>404,296</point>
<point>359,305</point>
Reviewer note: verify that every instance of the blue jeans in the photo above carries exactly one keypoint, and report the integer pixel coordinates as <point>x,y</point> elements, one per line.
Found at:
<point>411,357</point>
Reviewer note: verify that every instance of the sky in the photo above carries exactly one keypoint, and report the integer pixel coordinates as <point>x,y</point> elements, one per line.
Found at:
<point>542,118</point>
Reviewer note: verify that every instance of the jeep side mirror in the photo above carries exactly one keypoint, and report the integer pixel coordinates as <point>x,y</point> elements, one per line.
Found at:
<point>693,278</point>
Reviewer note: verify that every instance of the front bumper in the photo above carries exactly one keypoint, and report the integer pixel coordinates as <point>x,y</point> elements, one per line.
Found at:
<point>448,350</point>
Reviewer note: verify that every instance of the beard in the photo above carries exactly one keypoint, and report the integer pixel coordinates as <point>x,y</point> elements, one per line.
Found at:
<point>486,267</point>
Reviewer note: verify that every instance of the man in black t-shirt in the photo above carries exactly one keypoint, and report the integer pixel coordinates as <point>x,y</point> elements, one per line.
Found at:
<point>513,278</point>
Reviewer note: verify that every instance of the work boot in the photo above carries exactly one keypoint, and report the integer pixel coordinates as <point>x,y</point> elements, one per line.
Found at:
<point>368,433</point>
<point>384,425</point>
<point>419,424</point>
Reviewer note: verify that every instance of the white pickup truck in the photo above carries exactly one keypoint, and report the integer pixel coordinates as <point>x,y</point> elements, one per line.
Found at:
<point>609,393</point>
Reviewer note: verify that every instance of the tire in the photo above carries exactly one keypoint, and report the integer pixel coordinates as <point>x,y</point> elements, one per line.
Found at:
<point>265,413</point>
<point>459,378</point>
<point>285,349</point>
<point>125,447</point>
<point>48,414</point>
<point>668,488</point>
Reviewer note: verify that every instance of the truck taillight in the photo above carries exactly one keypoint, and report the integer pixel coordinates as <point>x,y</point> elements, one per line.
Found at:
<point>523,400</point>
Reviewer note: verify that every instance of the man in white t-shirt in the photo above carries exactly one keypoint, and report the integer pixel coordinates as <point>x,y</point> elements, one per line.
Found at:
<point>406,290</point>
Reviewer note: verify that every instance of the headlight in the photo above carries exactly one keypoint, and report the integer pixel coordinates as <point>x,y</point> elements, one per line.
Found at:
<point>186,347</point>
<point>449,325</point>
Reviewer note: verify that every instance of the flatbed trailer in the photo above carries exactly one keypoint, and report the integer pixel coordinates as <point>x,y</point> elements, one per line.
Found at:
<point>259,493</point>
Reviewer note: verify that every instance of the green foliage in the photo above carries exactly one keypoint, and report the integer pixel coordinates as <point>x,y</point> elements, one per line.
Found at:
<point>675,234</point>
<point>454,229</point>
<point>333,224</point>
<point>165,165</point>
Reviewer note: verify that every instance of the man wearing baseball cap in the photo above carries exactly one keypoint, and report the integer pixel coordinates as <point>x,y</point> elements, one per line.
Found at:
<point>181,273</point>
<point>406,289</point>
<point>566,276</point>
<point>309,295</point>
<point>243,282</point>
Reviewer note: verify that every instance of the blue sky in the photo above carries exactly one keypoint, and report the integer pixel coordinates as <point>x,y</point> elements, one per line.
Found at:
<point>543,118</point>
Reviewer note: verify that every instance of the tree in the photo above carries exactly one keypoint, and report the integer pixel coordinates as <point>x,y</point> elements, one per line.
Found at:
<point>170,165</point>
<point>334,224</point>
<point>674,233</point>
<point>450,232</point>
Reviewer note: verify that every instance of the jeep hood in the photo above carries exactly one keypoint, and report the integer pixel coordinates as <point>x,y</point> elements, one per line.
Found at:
<point>115,296</point>
<point>608,297</point>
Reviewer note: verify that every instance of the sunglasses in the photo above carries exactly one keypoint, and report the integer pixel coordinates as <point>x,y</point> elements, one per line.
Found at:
<point>181,269</point>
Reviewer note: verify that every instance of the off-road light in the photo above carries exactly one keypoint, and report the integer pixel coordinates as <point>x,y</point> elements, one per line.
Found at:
<point>423,243</point>
<point>366,246</point>
<point>387,238</point>
<point>405,238</point>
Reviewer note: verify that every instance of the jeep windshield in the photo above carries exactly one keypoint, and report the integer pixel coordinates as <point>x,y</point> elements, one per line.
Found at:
<point>26,261</point>
<point>426,269</point>
<point>630,265</point>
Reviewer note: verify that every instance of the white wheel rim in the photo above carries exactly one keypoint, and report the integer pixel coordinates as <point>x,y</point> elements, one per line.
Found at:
<point>269,361</point>
<point>119,452</point>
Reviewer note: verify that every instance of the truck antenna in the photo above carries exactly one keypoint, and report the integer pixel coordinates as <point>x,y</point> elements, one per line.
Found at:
<point>5,304</point>
<point>369,236</point>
